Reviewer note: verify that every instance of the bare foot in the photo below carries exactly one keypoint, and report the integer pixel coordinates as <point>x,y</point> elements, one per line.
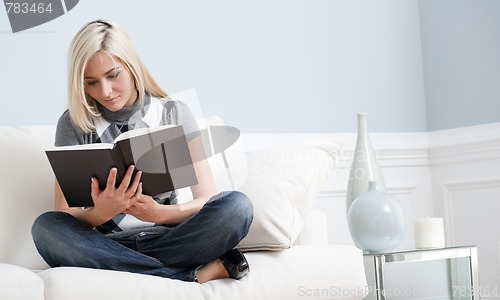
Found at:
<point>212,270</point>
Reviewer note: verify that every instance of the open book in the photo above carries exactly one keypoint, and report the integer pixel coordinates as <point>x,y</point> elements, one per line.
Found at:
<point>161,153</point>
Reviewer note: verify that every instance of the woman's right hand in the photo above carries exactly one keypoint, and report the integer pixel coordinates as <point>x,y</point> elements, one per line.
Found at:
<point>114,200</point>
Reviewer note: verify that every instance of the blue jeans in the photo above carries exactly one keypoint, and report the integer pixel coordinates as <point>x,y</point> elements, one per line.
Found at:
<point>171,252</point>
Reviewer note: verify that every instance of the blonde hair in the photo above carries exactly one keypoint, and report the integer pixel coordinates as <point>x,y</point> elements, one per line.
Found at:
<point>108,37</point>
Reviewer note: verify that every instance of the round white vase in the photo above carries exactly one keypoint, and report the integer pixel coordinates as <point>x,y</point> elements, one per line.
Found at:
<point>364,167</point>
<point>376,220</point>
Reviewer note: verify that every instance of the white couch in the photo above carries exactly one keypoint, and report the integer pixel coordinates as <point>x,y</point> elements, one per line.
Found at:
<point>294,261</point>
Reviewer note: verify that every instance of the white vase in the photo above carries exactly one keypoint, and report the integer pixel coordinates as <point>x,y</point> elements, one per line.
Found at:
<point>364,167</point>
<point>376,220</point>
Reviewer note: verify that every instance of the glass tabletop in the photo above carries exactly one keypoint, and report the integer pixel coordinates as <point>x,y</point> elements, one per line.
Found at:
<point>424,254</point>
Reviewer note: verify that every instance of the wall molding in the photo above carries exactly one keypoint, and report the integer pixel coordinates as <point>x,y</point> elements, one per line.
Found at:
<point>403,149</point>
<point>398,149</point>
<point>464,144</point>
<point>448,201</point>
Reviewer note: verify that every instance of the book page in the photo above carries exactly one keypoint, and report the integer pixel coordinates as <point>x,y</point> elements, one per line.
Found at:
<point>140,131</point>
<point>83,147</point>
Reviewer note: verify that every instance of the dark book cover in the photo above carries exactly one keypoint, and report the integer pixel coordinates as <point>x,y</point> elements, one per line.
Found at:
<point>161,153</point>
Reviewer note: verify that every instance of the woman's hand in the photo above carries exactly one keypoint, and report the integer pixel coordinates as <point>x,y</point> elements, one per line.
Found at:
<point>114,200</point>
<point>146,209</point>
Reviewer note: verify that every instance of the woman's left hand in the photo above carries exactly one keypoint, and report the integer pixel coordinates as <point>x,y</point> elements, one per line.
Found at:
<point>145,209</point>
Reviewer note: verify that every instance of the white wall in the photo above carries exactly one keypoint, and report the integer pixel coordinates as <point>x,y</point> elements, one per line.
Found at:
<point>466,191</point>
<point>264,66</point>
<point>446,173</point>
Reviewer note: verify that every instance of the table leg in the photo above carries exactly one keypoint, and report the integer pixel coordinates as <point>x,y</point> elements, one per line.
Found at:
<point>379,261</point>
<point>474,274</point>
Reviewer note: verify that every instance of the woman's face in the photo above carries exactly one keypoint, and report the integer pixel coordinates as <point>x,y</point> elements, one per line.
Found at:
<point>109,82</point>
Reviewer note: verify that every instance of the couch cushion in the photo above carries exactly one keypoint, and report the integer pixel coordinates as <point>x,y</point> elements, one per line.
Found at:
<point>27,185</point>
<point>282,183</point>
<point>312,272</point>
<point>17,283</point>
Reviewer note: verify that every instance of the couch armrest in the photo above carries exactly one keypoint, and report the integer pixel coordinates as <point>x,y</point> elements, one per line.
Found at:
<point>315,231</point>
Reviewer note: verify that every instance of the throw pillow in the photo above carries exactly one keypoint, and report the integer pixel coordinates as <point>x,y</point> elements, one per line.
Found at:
<point>283,182</point>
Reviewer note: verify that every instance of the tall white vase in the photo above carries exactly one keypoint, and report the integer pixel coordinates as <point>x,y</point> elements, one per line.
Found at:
<point>364,167</point>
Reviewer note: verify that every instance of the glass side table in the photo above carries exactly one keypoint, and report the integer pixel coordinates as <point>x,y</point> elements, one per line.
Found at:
<point>375,263</point>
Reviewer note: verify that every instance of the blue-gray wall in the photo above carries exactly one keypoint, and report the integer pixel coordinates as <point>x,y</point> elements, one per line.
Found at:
<point>264,66</point>
<point>461,55</point>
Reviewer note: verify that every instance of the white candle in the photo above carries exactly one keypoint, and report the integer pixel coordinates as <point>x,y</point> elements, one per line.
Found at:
<point>429,233</point>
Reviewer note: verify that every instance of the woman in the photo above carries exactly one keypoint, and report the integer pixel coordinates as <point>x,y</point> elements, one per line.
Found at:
<point>110,92</point>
